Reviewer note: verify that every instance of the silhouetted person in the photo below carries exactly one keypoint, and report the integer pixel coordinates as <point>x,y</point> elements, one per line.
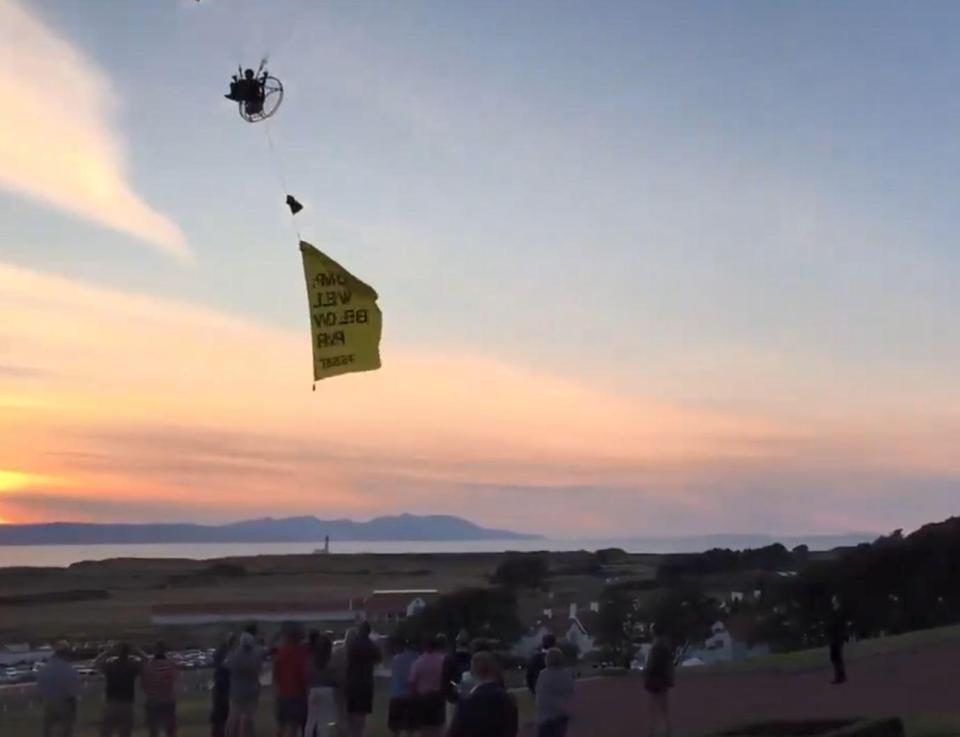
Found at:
<point>837,637</point>
<point>401,713</point>
<point>290,686</point>
<point>538,661</point>
<point>121,666</point>
<point>427,687</point>
<point>322,679</point>
<point>59,688</point>
<point>244,662</point>
<point>555,689</point>
<point>455,665</point>
<point>488,710</point>
<point>247,90</point>
<point>658,680</point>
<point>362,657</point>
<point>159,679</point>
<point>220,695</point>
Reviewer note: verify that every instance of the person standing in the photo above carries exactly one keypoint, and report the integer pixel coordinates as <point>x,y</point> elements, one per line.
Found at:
<point>401,715</point>
<point>362,657</point>
<point>488,710</point>
<point>121,665</point>
<point>59,688</point>
<point>427,687</point>
<point>538,661</point>
<point>159,684</point>
<point>220,693</point>
<point>837,637</point>
<point>462,654</point>
<point>322,683</point>
<point>290,684</point>
<point>338,664</point>
<point>554,696</point>
<point>455,665</point>
<point>658,680</point>
<point>244,664</point>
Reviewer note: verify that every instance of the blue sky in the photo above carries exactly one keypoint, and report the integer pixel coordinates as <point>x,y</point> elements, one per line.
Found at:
<point>745,208</point>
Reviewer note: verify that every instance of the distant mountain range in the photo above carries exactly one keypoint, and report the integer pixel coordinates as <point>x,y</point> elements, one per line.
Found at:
<point>406,527</point>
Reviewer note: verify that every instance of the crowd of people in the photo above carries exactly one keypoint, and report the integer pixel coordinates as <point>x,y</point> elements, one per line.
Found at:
<point>121,665</point>
<point>315,684</point>
<point>320,688</point>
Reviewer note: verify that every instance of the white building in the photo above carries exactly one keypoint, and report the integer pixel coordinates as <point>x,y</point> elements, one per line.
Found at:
<point>572,631</point>
<point>721,646</point>
<point>395,605</point>
<point>577,634</point>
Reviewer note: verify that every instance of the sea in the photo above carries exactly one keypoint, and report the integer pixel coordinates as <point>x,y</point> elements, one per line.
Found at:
<point>65,555</point>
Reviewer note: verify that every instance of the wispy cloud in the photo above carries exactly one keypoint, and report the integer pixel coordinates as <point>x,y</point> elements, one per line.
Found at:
<point>59,145</point>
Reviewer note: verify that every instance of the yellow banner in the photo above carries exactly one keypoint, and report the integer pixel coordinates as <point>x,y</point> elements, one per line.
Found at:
<point>345,321</point>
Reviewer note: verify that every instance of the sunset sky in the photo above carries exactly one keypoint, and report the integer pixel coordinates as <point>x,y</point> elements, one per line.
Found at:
<point>653,268</point>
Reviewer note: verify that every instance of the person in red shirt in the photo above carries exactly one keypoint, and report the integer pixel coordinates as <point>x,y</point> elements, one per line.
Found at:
<point>290,662</point>
<point>159,679</point>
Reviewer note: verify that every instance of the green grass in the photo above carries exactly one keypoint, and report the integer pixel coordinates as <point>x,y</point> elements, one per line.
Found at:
<point>816,659</point>
<point>933,725</point>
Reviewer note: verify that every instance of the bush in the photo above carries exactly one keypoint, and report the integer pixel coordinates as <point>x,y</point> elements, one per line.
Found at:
<point>607,556</point>
<point>522,571</point>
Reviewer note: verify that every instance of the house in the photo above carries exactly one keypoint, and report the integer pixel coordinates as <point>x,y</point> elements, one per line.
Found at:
<point>570,609</point>
<point>208,612</point>
<point>573,630</point>
<point>578,635</point>
<point>395,605</point>
<point>718,647</point>
<point>729,642</point>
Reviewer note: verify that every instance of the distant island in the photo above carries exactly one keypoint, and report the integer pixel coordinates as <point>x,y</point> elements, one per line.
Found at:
<point>406,527</point>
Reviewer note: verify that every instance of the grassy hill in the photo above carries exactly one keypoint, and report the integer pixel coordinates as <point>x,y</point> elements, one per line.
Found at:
<point>817,658</point>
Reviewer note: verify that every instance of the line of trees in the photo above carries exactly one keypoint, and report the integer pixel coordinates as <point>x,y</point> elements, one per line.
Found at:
<point>897,584</point>
<point>720,560</point>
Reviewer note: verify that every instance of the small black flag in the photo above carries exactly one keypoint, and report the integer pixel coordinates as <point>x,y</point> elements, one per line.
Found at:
<point>294,206</point>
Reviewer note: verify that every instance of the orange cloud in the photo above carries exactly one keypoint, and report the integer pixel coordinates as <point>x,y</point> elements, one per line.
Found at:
<point>58,144</point>
<point>130,406</point>
<point>100,369</point>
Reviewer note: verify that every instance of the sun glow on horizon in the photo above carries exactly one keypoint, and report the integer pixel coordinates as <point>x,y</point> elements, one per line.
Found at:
<point>15,480</point>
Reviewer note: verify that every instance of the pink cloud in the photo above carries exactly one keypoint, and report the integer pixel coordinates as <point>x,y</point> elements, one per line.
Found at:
<point>143,400</point>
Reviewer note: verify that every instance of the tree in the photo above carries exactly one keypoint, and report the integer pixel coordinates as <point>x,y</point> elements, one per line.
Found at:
<point>721,560</point>
<point>522,571</point>
<point>801,554</point>
<point>619,622</point>
<point>607,556</point>
<point>490,613</point>
<point>896,584</point>
<point>685,615</point>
